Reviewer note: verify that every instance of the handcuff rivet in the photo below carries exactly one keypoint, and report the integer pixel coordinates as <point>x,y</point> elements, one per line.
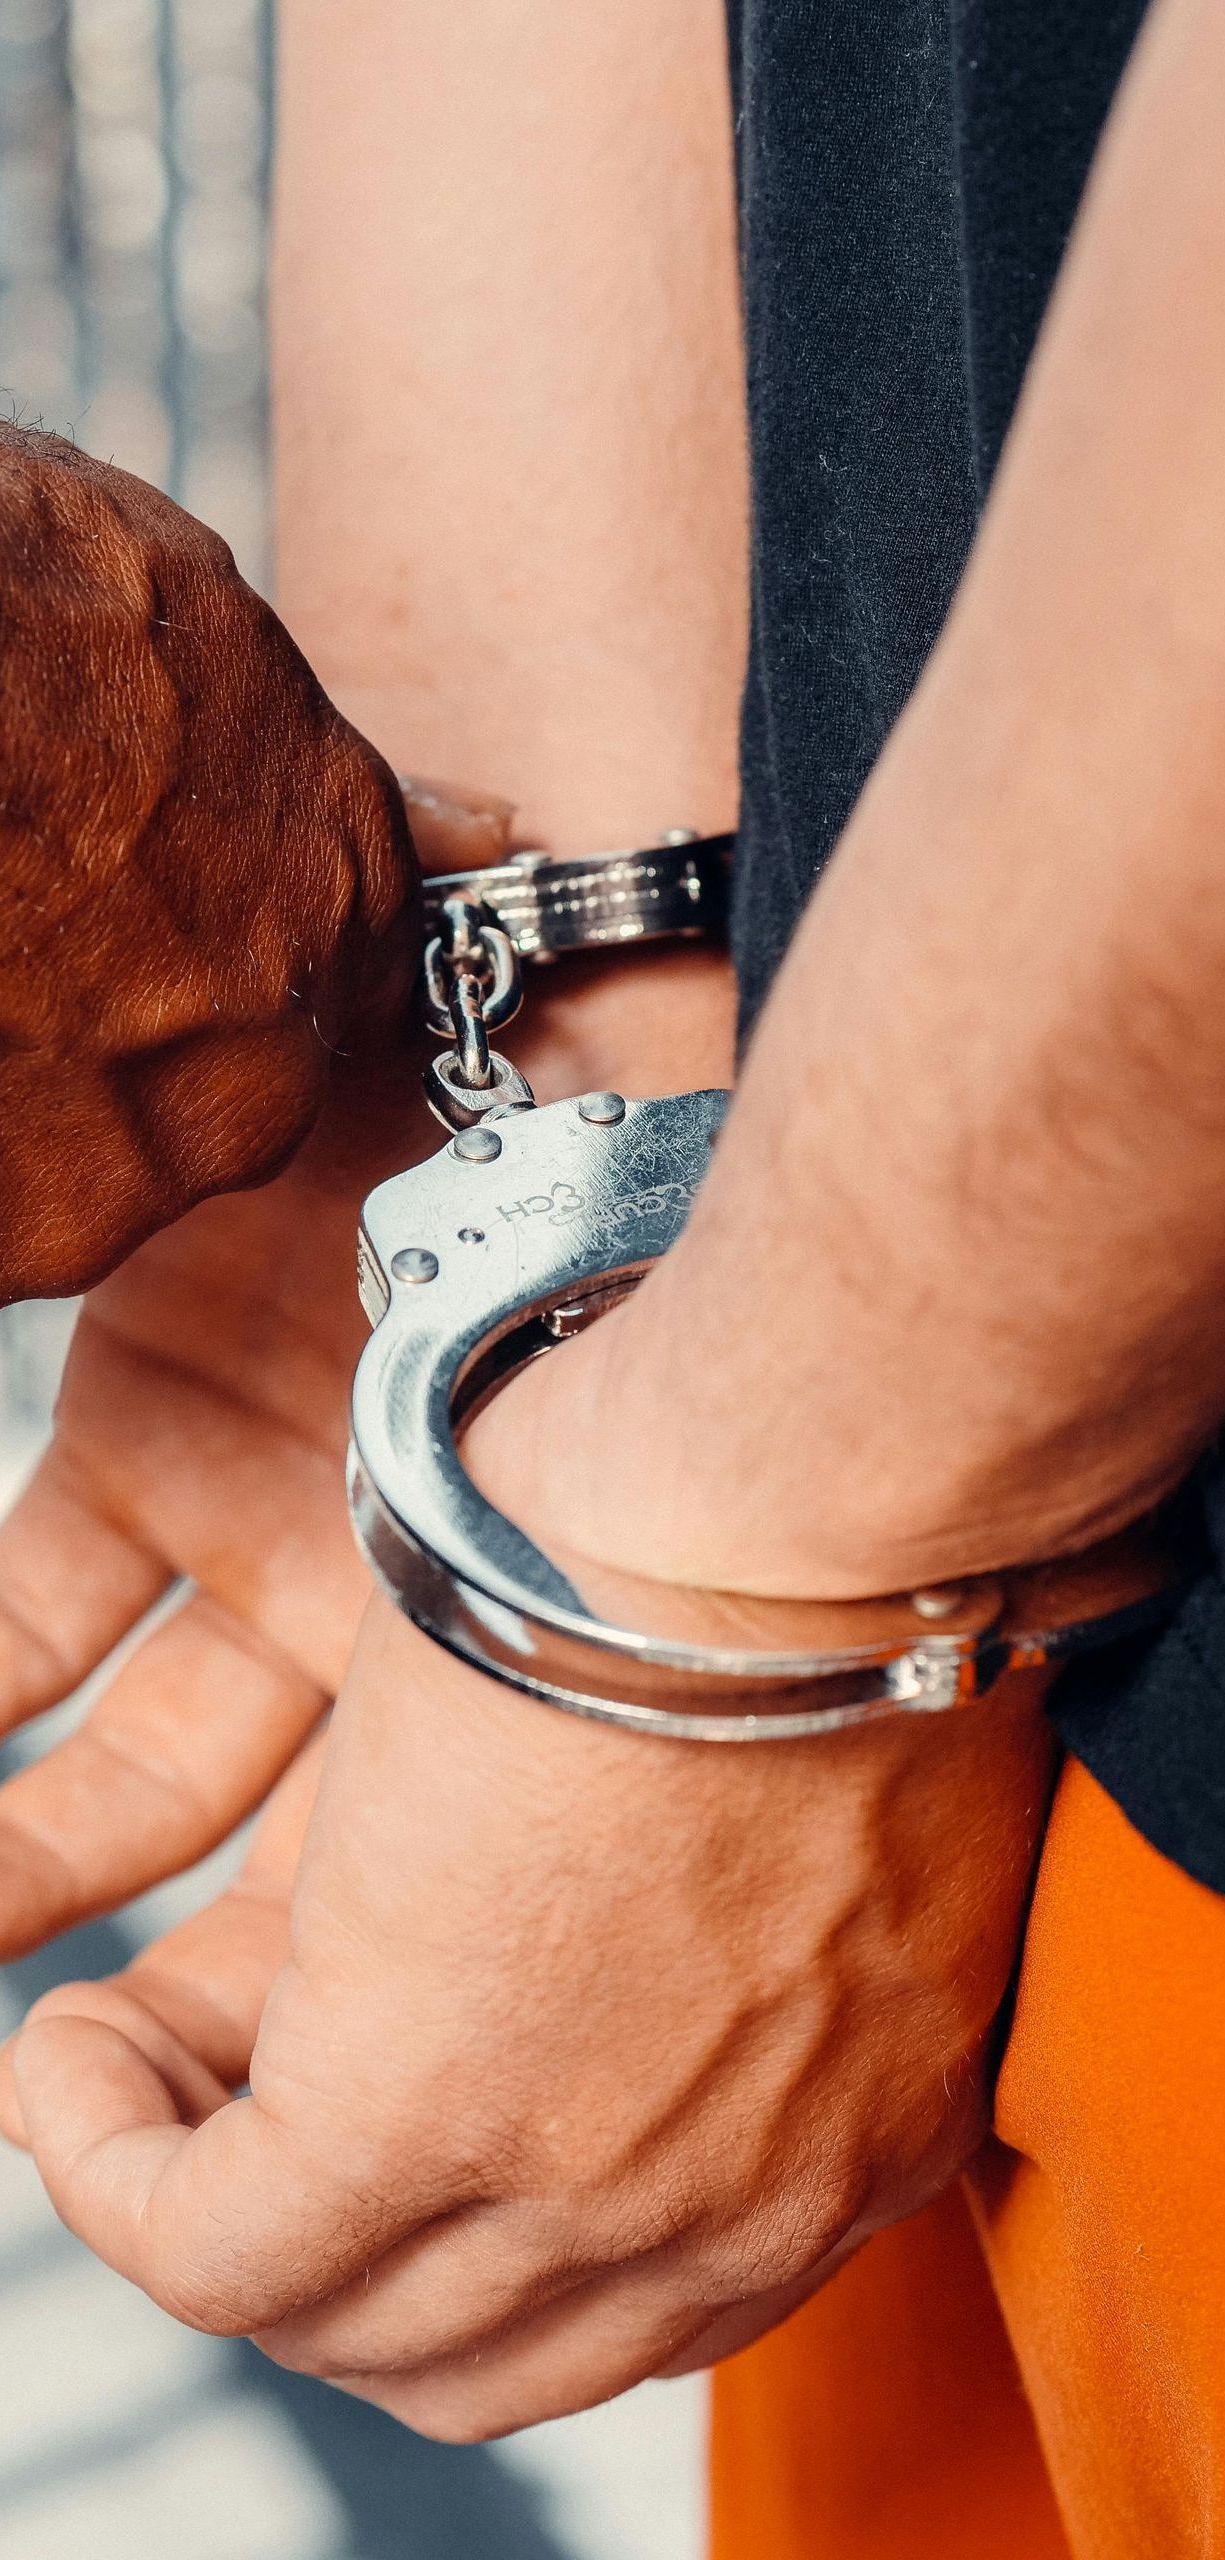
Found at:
<point>476,1146</point>
<point>472,1235</point>
<point>602,1110</point>
<point>937,1604</point>
<point>414,1263</point>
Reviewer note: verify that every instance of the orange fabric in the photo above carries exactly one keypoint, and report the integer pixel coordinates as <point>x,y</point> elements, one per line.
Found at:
<point>886,2421</point>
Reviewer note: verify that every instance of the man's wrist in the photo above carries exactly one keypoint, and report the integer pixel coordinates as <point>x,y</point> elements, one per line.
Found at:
<point>561,1453</point>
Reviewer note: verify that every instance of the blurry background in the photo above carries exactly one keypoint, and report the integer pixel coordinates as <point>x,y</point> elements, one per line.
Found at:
<point>135,139</point>
<point>134,149</point>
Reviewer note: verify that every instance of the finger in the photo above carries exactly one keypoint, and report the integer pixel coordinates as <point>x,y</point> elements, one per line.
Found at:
<point>494,2293</point>
<point>208,1979</point>
<point>188,1737</point>
<point>205,1982</point>
<point>670,2311</point>
<point>216,2222</point>
<point>441,2295</point>
<point>493,2322</point>
<point>73,1582</point>
<point>741,2324</point>
<point>254,1414</point>
<point>229,2224</point>
<point>600,2340</point>
<point>104,2123</point>
<point>453,829</point>
<point>202,1443</point>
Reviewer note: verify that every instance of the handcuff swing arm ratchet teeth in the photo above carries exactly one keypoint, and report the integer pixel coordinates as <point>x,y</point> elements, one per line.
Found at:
<point>529,1224</point>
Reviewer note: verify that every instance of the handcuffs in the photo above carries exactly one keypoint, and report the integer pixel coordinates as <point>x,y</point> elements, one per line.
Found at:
<point>529,1224</point>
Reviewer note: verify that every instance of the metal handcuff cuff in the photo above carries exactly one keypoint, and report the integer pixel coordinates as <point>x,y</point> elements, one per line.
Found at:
<point>530,1223</point>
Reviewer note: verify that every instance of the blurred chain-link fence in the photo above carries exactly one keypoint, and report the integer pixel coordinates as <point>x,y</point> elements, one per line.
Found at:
<point>134,152</point>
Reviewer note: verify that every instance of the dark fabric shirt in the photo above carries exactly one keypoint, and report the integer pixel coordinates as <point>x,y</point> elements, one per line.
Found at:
<point>909,173</point>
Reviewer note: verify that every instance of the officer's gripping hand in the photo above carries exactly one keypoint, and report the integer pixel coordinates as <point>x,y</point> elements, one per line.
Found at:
<point>205,874</point>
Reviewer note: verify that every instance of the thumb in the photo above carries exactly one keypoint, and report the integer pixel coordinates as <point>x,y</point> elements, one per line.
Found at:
<point>454,829</point>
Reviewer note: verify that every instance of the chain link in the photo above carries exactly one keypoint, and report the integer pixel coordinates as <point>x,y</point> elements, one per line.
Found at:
<point>474,985</point>
<point>482,924</point>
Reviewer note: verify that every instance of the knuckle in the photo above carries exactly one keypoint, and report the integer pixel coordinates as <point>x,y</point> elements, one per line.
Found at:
<point>749,2262</point>
<point>101,2004</point>
<point>205,2299</point>
<point>782,2238</point>
<point>293,2352</point>
<point>232,1105</point>
<point>456,2413</point>
<point>414,2345</point>
<point>466,2426</point>
<point>67,2000</point>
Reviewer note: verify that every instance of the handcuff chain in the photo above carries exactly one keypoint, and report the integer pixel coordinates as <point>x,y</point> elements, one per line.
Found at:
<point>474,985</point>
<point>482,925</point>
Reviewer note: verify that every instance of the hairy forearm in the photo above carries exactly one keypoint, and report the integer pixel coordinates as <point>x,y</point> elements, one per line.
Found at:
<point>953,1292</point>
<point>509,441</point>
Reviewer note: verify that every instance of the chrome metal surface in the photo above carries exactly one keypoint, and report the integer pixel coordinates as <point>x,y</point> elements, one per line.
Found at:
<point>473,985</point>
<point>460,1105</point>
<point>476,1146</point>
<point>548,907</point>
<point>601,1110</point>
<point>470,943</point>
<point>570,1216</point>
<point>414,1265</point>
<point>471,1037</point>
<point>480,926</point>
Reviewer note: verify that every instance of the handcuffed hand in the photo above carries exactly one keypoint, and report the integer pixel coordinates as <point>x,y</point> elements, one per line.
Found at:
<point>204,871</point>
<point>577,2056</point>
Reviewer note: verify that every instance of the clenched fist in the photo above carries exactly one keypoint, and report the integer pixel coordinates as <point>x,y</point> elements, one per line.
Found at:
<point>205,874</point>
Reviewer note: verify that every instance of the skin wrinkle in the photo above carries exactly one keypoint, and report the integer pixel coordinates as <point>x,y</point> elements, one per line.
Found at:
<point>259,1265</point>
<point>139,1763</point>
<point>314,1365</point>
<point>537,2294</point>
<point>86,1484</point>
<point>40,1646</point>
<point>73,1481</point>
<point>133,1763</point>
<point>210,2287</point>
<point>11,1840</point>
<point>202,2023</point>
<point>241,1115</point>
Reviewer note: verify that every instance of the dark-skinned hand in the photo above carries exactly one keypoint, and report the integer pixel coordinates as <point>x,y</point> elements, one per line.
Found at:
<point>206,875</point>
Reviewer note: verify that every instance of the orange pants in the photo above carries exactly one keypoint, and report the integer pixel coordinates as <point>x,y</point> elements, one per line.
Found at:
<point>1033,2369</point>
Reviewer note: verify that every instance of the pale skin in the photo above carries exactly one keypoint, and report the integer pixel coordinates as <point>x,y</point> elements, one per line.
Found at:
<point>573,2057</point>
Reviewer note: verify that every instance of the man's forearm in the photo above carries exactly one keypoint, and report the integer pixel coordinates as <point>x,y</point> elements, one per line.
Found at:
<point>953,1291</point>
<point>509,437</point>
